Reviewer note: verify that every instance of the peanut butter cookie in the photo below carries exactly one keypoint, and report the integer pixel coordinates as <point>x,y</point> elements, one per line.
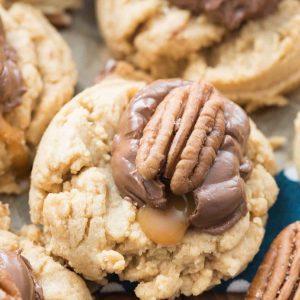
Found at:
<point>168,184</point>
<point>37,77</point>
<point>254,65</point>
<point>28,272</point>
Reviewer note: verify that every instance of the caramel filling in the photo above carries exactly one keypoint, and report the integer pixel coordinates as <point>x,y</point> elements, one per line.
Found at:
<point>167,227</point>
<point>14,140</point>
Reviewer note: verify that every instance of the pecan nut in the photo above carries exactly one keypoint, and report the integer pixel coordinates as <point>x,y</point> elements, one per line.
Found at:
<point>182,138</point>
<point>278,277</point>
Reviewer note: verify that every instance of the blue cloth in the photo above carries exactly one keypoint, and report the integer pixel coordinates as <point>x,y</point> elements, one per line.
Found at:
<point>285,211</point>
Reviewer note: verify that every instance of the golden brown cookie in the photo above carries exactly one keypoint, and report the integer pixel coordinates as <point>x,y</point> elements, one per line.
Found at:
<point>38,77</point>
<point>89,224</point>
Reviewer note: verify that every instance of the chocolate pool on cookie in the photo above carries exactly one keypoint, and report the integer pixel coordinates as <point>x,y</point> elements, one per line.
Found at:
<point>37,76</point>
<point>166,184</point>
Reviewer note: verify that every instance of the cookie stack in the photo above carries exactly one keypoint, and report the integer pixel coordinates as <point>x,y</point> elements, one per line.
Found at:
<point>163,182</point>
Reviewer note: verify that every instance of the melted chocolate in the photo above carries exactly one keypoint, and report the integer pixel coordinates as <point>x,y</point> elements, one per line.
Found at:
<point>16,277</point>
<point>11,84</point>
<point>231,13</point>
<point>220,200</point>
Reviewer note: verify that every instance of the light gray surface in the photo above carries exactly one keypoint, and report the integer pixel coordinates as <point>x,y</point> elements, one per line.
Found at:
<point>90,55</point>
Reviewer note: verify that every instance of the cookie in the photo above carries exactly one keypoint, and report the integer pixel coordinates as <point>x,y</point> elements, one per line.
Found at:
<point>297,143</point>
<point>56,11</point>
<point>278,275</point>
<point>157,37</point>
<point>40,276</point>
<point>38,77</point>
<point>88,221</point>
<point>205,296</point>
<point>254,65</point>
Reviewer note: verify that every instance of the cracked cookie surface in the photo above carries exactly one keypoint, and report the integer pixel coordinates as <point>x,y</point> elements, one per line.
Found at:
<point>48,75</point>
<point>88,223</point>
<point>255,65</point>
<point>56,281</point>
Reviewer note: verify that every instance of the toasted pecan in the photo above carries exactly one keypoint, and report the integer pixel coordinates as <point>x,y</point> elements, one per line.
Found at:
<point>182,138</point>
<point>278,276</point>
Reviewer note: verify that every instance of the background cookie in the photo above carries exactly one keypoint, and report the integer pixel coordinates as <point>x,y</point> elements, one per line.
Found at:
<point>254,65</point>
<point>153,35</point>
<point>48,79</point>
<point>55,10</point>
<point>87,222</point>
<point>258,64</point>
<point>56,281</point>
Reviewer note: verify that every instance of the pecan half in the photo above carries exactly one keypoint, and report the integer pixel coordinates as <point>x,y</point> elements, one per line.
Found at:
<point>278,277</point>
<point>183,137</point>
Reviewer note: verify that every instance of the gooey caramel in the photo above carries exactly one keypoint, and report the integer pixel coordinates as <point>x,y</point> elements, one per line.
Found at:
<point>14,140</point>
<point>167,227</point>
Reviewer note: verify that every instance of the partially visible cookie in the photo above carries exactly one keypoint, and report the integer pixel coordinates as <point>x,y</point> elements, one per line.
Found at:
<point>38,77</point>
<point>254,65</point>
<point>259,63</point>
<point>88,222</point>
<point>154,35</point>
<point>42,276</point>
<point>55,10</point>
<point>279,273</point>
<point>297,143</point>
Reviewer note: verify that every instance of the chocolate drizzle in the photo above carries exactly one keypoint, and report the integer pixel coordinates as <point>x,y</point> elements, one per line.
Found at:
<point>16,278</point>
<point>231,13</point>
<point>11,84</point>
<point>220,200</point>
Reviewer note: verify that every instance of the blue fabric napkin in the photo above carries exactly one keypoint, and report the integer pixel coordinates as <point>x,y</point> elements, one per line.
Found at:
<point>285,211</point>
